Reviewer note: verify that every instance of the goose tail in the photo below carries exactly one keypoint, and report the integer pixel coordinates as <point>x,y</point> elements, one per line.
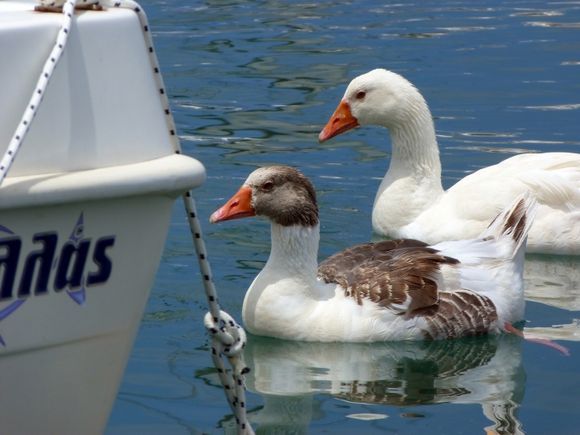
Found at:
<point>513,224</point>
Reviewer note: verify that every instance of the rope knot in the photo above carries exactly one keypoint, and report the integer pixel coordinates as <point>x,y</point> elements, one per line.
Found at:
<point>225,330</point>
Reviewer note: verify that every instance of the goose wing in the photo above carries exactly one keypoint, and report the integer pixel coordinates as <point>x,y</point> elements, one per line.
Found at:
<point>401,275</point>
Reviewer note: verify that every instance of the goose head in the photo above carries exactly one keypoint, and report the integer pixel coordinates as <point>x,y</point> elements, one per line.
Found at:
<point>379,97</point>
<point>280,193</point>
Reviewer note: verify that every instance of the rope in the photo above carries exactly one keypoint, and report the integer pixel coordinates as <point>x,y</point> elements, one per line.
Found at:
<point>39,90</point>
<point>228,338</point>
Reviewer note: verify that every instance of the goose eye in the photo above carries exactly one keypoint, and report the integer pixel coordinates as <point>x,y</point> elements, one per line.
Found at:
<point>268,186</point>
<point>360,95</point>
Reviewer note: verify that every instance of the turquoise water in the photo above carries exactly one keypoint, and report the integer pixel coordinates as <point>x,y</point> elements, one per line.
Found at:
<point>253,82</point>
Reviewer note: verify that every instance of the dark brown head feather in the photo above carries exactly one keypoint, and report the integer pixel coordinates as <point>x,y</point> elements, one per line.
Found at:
<point>284,195</point>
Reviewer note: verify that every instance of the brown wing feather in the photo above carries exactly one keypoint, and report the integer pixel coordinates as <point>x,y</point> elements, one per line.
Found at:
<point>388,273</point>
<point>341,262</point>
<point>458,314</point>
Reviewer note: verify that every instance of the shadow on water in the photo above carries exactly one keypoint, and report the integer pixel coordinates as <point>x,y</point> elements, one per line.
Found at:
<point>293,379</point>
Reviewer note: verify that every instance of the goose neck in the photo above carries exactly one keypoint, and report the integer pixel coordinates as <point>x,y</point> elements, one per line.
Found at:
<point>414,145</point>
<point>294,250</point>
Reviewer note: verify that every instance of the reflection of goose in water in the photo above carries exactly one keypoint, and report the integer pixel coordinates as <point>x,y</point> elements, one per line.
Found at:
<point>553,280</point>
<point>484,370</point>
<point>569,331</point>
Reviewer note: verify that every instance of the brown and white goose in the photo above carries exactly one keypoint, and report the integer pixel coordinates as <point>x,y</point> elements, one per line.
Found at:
<point>413,180</point>
<point>390,290</point>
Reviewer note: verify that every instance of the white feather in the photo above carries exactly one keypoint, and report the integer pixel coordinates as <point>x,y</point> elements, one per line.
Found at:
<point>411,202</point>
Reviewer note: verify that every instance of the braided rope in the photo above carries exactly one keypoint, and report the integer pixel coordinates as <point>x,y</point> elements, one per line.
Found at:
<point>228,338</point>
<point>39,90</point>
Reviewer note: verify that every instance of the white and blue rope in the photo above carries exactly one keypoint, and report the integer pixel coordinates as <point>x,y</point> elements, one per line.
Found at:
<point>228,337</point>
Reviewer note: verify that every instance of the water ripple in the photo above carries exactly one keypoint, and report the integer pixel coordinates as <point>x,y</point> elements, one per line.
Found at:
<point>573,106</point>
<point>252,83</point>
<point>537,14</point>
<point>553,24</point>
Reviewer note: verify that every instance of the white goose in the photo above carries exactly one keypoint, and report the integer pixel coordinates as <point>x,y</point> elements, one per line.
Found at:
<point>390,290</point>
<point>411,201</point>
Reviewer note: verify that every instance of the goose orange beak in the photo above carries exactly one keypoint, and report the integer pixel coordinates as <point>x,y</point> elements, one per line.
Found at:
<point>340,121</point>
<point>237,207</point>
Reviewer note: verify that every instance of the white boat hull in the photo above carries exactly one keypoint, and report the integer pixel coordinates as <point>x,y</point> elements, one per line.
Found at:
<point>62,357</point>
<point>84,213</point>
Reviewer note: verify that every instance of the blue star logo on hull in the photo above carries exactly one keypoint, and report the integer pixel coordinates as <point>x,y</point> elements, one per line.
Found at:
<point>48,269</point>
<point>79,296</point>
